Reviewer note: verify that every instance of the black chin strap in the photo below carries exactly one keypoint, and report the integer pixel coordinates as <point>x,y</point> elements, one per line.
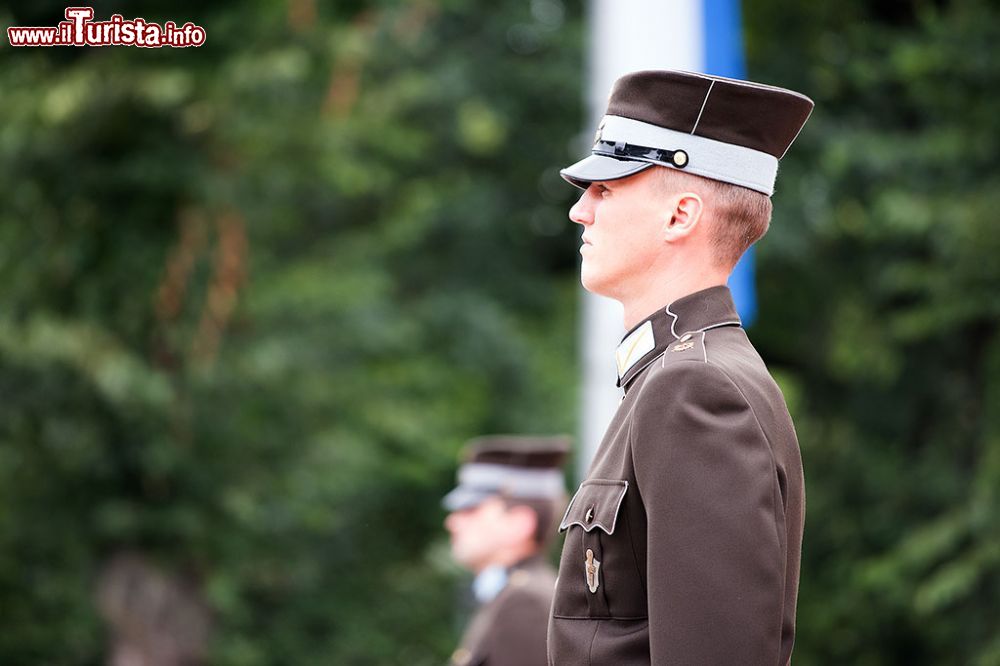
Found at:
<point>620,149</point>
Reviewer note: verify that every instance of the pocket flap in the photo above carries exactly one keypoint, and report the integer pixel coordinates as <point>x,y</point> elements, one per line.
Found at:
<point>595,504</point>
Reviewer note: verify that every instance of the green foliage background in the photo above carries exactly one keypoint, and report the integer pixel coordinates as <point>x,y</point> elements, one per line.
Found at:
<point>254,296</point>
<point>881,310</point>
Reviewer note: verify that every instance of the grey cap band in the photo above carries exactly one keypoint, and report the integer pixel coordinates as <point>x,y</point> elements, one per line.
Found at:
<point>709,158</point>
<point>477,481</point>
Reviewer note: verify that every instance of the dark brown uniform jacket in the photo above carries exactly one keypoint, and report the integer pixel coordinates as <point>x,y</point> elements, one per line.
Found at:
<point>682,545</point>
<point>510,629</point>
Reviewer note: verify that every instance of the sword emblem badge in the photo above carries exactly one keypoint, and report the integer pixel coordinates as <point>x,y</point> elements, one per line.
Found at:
<point>593,570</point>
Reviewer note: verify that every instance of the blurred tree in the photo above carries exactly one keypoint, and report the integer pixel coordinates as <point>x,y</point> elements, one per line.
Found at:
<point>256,294</point>
<point>888,336</point>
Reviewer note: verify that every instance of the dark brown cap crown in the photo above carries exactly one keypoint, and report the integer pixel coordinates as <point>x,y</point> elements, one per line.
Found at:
<point>519,450</point>
<point>742,113</point>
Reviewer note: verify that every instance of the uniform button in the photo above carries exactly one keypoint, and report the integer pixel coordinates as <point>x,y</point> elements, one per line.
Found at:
<point>520,578</point>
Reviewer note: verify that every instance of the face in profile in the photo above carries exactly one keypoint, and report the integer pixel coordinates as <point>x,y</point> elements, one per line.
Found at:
<point>481,534</point>
<point>621,221</point>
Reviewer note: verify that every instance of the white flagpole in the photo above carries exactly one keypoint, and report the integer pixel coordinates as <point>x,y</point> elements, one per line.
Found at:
<point>625,35</point>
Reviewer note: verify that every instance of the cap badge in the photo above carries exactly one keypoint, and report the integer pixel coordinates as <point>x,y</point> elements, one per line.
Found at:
<point>599,132</point>
<point>593,568</point>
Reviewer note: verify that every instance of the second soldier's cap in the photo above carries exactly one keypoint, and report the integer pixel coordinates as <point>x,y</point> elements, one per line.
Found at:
<point>514,466</point>
<point>724,129</point>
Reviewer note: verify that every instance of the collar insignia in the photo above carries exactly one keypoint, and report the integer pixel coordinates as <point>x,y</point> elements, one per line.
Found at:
<point>639,343</point>
<point>683,344</point>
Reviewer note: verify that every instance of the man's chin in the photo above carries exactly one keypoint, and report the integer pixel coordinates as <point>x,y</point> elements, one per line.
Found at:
<point>594,284</point>
<point>465,560</point>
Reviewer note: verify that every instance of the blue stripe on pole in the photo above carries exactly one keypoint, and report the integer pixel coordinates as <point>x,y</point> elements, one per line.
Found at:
<point>723,33</point>
<point>723,38</point>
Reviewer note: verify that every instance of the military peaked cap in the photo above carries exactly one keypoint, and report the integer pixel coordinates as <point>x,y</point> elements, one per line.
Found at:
<point>724,129</point>
<point>515,466</point>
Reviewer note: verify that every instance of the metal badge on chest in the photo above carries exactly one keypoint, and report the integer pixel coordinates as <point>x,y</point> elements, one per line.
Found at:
<point>593,571</point>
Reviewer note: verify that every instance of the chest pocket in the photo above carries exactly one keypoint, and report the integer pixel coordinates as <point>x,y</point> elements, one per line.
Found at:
<point>598,577</point>
<point>595,505</point>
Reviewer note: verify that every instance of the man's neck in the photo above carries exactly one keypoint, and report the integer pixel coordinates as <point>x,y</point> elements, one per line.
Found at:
<point>661,293</point>
<point>508,557</point>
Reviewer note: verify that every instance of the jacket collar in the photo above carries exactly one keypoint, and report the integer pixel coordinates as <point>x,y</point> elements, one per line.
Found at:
<point>492,580</point>
<point>648,340</point>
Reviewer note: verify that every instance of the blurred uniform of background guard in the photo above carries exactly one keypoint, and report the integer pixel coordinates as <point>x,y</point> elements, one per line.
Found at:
<point>502,515</point>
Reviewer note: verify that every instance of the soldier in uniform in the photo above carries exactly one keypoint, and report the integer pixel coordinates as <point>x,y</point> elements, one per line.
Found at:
<point>502,515</point>
<point>682,545</point>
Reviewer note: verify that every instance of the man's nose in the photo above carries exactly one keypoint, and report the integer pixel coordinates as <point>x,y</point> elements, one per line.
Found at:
<point>582,211</point>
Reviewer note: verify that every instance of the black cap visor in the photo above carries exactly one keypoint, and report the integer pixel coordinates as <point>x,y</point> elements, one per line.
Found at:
<point>601,168</point>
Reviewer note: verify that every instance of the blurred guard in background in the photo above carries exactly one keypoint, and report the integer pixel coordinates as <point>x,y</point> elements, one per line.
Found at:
<point>510,494</point>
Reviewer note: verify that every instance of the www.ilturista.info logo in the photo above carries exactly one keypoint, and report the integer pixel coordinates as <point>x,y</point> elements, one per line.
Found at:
<point>79,29</point>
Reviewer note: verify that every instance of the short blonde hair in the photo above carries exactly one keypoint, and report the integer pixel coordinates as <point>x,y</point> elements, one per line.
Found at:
<point>740,216</point>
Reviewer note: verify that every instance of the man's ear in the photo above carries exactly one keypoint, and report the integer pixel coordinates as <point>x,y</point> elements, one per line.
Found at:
<point>524,521</point>
<point>684,216</point>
